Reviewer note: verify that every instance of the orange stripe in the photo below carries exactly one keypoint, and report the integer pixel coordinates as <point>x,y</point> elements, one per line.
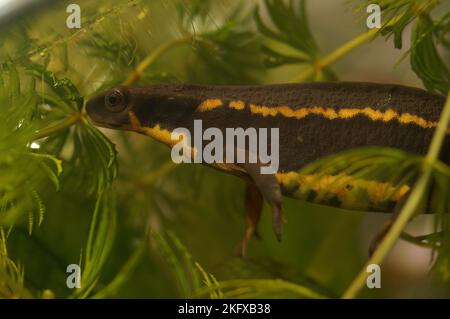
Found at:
<point>209,104</point>
<point>237,105</point>
<point>344,113</point>
<point>328,113</point>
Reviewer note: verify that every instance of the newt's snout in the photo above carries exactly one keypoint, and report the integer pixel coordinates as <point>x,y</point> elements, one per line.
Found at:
<point>109,109</point>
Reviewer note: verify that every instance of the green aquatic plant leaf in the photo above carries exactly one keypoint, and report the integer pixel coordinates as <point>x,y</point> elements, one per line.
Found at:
<point>181,262</point>
<point>189,15</point>
<point>25,171</point>
<point>291,25</point>
<point>121,54</point>
<point>428,33</point>
<point>187,273</point>
<point>12,275</point>
<point>99,243</point>
<point>91,149</point>
<point>397,15</point>
<point>211,282</point>
<point>290,39</point>
<point>425,59</point>
<point>261,288</point>
<point>396,170</point>
<point>219,51</point>
<point>113,288</point>
<point>65,91</point>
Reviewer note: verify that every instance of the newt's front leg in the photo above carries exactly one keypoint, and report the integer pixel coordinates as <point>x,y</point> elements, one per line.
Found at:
<point>269,187</point>
<point>253,209</point>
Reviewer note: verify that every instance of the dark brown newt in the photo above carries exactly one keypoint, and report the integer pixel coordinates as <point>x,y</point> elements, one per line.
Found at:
<point>314,120</point>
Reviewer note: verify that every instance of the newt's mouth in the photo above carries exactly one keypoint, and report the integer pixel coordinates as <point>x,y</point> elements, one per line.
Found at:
<point>105,125</point>
<point>99,119</point>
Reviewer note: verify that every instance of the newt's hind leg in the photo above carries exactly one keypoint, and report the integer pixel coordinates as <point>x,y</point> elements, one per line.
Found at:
<point>253,209</point>
<point>384,229</point>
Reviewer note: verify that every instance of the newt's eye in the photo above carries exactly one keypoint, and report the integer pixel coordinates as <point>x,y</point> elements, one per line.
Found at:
<point>116,101</point>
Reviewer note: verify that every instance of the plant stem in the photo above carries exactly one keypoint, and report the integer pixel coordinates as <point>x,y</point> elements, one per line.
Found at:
<point>335,55</point>
<point>350,45</point>
<point>50,130</point>
<point>410,205</point>
<point>151,58</point>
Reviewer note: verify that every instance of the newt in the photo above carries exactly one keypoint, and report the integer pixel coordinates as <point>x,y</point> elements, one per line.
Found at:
<point>314,120</point>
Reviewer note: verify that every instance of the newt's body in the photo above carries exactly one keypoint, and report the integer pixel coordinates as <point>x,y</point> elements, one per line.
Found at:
<point>314,120</point>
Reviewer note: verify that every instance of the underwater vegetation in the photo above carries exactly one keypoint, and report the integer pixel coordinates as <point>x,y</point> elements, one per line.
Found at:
<point>140,226</point>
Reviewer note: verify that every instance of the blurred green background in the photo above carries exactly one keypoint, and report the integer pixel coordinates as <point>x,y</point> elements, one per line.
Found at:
<point>157,219</point>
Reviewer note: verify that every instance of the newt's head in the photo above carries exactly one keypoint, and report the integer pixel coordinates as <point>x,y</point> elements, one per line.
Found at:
<point>110,109</point>
<point>135,109</point>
